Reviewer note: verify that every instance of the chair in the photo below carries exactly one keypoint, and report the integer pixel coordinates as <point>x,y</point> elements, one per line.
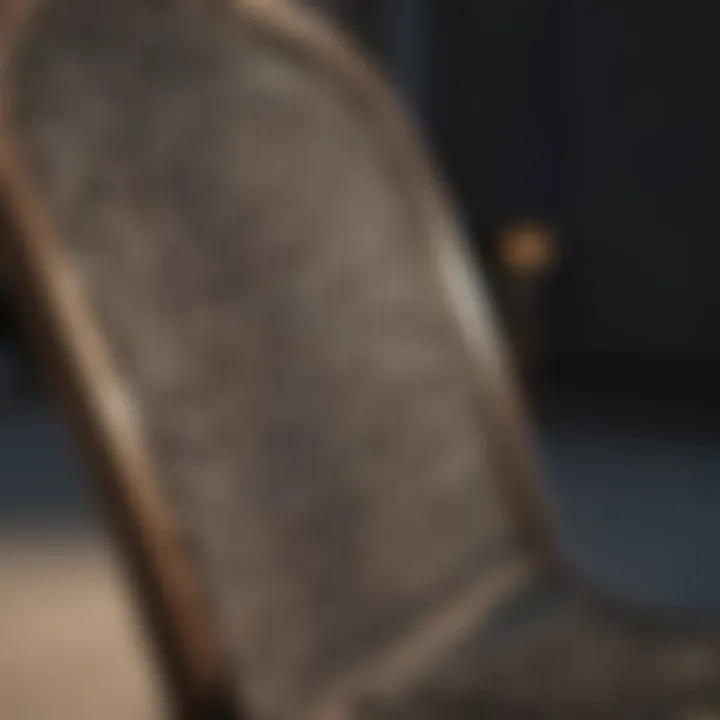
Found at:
<point>250,289</point>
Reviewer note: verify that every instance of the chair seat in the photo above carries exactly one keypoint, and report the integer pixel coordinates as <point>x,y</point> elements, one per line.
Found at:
<point>555,653</point>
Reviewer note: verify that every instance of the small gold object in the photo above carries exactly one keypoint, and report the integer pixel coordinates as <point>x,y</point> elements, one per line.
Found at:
<point>528,249</point>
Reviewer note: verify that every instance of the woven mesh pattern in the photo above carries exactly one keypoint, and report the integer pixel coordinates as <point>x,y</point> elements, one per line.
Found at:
<point>267,300</point>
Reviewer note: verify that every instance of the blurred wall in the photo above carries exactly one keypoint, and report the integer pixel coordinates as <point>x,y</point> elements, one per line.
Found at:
<point>600,117</point>
<point>648,247</point>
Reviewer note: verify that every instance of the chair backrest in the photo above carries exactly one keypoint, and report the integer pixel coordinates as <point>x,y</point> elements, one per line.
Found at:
<point>278,287</point>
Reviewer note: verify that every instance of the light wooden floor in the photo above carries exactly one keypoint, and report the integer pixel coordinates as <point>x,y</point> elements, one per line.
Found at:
<point>70,648</point>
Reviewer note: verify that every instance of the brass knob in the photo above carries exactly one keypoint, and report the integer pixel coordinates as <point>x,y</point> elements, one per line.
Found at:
<point>528,248</point>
